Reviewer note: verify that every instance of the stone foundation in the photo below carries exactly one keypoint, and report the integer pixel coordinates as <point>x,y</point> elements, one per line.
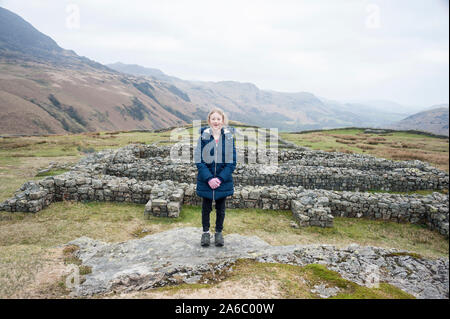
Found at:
<point>300,167</point>
<point>95,178</point>
<point>164,199</point>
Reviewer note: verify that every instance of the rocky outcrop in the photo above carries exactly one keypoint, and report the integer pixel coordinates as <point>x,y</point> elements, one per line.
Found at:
<point>175,256</point>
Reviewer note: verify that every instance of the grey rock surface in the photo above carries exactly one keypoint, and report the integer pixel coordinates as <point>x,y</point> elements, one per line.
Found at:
<point>175,256</point>
<point>324,291</point>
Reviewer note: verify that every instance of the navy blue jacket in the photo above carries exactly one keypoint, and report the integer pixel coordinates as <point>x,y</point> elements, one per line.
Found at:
<point>215,161</point>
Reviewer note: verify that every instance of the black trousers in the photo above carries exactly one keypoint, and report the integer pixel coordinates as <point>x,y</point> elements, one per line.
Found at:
<point>220,213</point>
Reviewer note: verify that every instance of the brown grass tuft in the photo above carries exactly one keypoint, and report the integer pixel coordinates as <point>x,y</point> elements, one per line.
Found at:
<point>365,147</point>
<point>346,137</point>
<point>69,250</point>
<point>378,139</point>
<point>436,158</point>
<point>372,142</point>
<point>410,145</point>
<point>345,141</point>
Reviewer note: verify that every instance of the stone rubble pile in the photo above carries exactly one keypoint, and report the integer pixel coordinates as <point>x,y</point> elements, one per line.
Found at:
<point>166,199</point>
<point>313,214</point>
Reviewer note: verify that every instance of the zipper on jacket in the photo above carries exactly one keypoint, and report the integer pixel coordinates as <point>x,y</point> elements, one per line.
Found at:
<point>215,163</point>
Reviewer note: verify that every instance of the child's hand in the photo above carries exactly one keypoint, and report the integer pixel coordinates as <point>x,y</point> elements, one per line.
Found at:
<point>214,183</point>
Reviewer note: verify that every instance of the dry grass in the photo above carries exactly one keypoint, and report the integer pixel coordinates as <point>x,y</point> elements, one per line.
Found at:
<point>408,155</point>
<point>395,146</point>
<point>19,265</point>
<point>14,145</point>
<point>345,141</point>
<point>378,138</point>
<point>365,147</point>
<point>346,137</point>
<point>440,160</point>
<point>412,145</point>
<point>344,150</point>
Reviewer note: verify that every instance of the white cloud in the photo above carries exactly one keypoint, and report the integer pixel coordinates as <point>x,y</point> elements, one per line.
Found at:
<point>325,47</point>
<point>438,56</point>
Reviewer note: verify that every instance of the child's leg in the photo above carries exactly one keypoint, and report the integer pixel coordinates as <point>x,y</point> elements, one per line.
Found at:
<point>220,213</point>
<point>206,210</point>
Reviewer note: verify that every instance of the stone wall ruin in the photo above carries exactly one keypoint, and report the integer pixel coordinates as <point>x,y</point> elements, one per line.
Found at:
<point>317,186</point>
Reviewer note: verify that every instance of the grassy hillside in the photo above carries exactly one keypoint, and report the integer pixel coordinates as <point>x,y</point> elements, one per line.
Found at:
<point>39,98</point>
<point>402,146</point>
<point>434,120</point>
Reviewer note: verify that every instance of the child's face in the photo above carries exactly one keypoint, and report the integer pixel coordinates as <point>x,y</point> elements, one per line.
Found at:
<point>216,121</point>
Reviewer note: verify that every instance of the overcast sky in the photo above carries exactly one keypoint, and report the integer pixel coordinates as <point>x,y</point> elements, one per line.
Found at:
<point>344,50</point>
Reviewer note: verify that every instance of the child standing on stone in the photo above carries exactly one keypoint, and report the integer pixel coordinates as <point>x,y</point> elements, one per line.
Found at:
<point>215,158</point>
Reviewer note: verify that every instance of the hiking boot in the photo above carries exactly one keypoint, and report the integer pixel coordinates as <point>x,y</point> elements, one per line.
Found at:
<point>205,239</point>
<point>218,239</point>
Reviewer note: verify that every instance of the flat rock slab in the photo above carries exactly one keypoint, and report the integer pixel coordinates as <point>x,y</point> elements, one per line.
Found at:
<point>175,256</point>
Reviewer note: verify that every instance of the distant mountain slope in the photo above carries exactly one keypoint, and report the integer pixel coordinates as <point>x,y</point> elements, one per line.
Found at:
<point>19,40</point>
<point>138,70</point>
<point>367,114</point>
<point>388,106</point>
<point>435,120</point>
<point>435,107</point>
<point>46,89</point>
<point>245,102</point>
<point>17,35</point>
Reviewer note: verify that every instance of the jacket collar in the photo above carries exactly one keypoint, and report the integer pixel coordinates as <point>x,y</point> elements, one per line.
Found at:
<point>223,130</point>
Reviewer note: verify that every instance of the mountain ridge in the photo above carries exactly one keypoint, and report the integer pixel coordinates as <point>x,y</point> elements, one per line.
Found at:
<point>47,89</point>
<point>434,120</point>
<point>245,102</point>
<point>19,40</point>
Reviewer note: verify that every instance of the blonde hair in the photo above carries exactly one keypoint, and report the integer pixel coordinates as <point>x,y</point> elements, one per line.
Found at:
<point>222,113</point>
